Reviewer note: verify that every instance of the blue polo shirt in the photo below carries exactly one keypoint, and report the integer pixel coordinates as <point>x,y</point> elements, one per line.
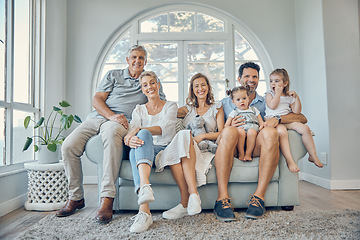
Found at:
<point>258,102</point>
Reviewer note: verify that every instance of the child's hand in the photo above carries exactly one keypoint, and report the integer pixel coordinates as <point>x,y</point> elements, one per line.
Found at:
<point>293,94</point>
<point>278,89</point>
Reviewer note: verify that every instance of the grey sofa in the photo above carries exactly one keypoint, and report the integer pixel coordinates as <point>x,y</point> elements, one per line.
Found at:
<point>282,191</point>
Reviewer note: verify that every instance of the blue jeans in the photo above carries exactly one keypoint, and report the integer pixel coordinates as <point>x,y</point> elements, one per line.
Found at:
<point>143,154</point>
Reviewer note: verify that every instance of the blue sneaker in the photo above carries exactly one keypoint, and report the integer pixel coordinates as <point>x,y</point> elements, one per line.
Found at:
<point>256,208</point>
<point>224,210</point>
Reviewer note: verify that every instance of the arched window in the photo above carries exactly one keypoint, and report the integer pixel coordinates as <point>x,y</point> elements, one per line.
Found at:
<point>182,40</point>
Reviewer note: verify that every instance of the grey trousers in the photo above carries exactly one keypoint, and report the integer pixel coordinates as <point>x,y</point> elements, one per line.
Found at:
<point>112,134</point>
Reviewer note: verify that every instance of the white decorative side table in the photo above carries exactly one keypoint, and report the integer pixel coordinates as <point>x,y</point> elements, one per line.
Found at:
<point>47,188</point>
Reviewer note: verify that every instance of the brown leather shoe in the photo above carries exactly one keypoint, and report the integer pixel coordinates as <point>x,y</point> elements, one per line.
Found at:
<point>70,207</point>
<point>105,212</point>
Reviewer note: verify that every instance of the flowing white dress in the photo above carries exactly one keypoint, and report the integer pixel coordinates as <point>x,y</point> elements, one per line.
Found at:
<point>180,145</point>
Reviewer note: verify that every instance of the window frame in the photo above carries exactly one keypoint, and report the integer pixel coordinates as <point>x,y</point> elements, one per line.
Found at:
<point>36,73</point>
<point>228,36</point>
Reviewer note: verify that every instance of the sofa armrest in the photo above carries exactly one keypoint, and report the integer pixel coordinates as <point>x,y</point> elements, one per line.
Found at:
<point>94,149</point>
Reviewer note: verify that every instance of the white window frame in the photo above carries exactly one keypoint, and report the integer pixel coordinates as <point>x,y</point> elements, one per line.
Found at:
<point>227,36</point>
<point>36,74</point>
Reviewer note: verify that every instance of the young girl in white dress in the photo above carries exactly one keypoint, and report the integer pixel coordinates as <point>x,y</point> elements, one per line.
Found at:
<point>281,101</point>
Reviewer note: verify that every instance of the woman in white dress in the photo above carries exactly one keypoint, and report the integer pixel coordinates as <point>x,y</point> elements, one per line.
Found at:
<point>188,164</point>
<point>151,129</point>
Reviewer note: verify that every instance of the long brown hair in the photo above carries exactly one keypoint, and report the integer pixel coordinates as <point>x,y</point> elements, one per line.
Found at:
<point>282,72</point>
<point>192,100</point>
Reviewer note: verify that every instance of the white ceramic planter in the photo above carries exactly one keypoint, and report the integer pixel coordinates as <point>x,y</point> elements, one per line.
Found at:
<point>47,157</point>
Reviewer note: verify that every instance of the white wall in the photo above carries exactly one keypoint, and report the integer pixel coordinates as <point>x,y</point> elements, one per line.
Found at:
<point>312,79</point>
<point>342,56</point>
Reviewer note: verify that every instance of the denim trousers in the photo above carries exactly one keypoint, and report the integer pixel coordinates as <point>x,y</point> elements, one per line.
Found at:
<point>146,153</point>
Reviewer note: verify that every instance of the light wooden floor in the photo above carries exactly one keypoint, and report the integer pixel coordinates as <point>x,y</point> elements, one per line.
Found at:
<point>312,197</point>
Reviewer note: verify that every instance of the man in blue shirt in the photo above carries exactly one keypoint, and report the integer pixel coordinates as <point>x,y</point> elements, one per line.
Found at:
<point>267,143</point>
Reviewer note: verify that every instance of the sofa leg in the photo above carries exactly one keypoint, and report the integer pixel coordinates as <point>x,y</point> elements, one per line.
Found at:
<point>287,208</point>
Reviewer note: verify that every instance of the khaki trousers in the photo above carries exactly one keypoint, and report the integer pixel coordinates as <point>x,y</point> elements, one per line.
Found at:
<point>112,134</point>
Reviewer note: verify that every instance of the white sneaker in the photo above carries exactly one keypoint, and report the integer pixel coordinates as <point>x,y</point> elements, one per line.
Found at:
<point>194,205</point>
<point>145,195</point>
<point>142,222</point>
<point>176,212</point>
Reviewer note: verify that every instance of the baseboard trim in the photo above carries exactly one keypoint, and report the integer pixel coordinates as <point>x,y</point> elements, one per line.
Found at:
<point>330,184</point>
<point>90,180</point>
<point>12,204</point>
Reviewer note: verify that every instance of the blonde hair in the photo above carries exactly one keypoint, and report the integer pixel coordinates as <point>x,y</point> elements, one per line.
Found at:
<point>148,74</point>
<point>191,100</point>
<point>285,77</point>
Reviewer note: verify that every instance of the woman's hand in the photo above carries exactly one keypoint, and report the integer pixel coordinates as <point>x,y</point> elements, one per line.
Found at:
<point>199,137</point>
<point>132,140</point>
<point>135,142</point>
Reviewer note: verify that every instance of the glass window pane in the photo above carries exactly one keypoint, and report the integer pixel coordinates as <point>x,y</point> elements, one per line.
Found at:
<point>162,52</point>
<point>167,72</point>
<point>171,91</point>
<point>19,137</point>
<point>205,52</point>
<point>155,24</point>
<point>2,137</point>
<point>21,51</point>
<point>182,21</point>
<point>243,50</point>
<point>2,50</point>
<point>208,23</point>
<point>211,70</point>
<point>261,89</point>
<point>218,90</point>
<point>118,53</point>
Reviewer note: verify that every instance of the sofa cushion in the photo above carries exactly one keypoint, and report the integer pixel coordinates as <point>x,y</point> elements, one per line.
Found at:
<point>241,172</point>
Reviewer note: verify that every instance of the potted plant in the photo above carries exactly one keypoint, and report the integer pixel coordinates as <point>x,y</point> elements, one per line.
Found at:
<point>49,138</point>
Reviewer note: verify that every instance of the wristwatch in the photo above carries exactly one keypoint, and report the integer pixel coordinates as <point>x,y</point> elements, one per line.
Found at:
<point>278,117</point>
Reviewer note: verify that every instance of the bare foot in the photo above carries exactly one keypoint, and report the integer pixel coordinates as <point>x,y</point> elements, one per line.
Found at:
<point>293,167</point>
<point>247,158</point>
<point>316,161</point>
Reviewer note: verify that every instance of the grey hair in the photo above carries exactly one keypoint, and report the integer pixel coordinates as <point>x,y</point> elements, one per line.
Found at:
<point>149,74</point>
<point>137,48</point>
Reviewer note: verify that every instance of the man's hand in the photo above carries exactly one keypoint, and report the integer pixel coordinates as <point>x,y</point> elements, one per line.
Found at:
<point>238,121</point>
<point>272,122</point>
<point>120,118</point>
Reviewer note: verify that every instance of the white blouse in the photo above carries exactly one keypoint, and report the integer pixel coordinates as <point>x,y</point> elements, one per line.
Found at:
<point>166,120</point>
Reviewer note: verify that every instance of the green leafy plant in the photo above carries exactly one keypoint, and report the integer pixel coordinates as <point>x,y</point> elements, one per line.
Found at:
<point>47,134</point>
